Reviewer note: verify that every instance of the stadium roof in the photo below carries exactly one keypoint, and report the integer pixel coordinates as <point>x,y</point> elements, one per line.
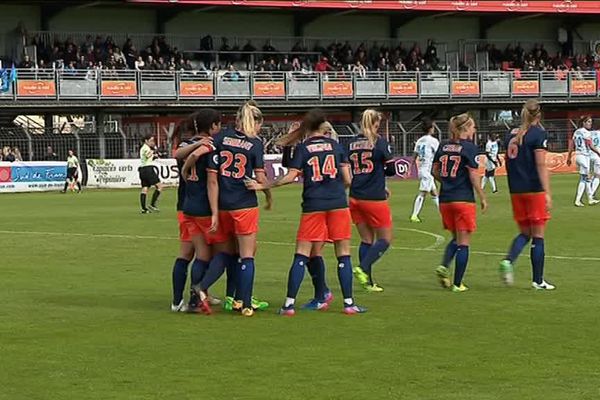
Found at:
<point>504,6</point>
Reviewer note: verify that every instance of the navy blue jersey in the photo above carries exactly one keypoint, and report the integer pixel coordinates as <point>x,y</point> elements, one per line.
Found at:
<point>319,159</point>
<point>196,202</point>
<point>455,159</point>
<point>237,157</point>
<point>522,171</point>
<point>182,183</point>
<point>367,162</point>
<point>287,155</point>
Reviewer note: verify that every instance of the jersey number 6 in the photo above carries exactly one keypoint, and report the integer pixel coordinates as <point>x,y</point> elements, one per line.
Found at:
<point>239,165</point>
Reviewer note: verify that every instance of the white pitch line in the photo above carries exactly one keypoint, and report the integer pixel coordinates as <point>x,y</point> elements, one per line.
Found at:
<point>148,237</point>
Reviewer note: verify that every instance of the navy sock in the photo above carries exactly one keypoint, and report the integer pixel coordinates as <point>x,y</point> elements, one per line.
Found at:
<point>179,277</point>
<point>517,247</point>
<point>537,259</point>
<point>215,270</point>
<point>375,252</point>
<point>462,259</point>
<point>143,200</point>
<point>345,276</point>
<point>198,270</point>
<point>246,281</point>
<point>449,253</point>
<point>155,197</point>
<point>296,275</point>
<point>316,269</point>
<point>363,249</point>
<point>232,275</point>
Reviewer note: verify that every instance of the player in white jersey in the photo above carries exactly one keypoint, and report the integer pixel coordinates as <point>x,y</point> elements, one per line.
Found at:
<point>583,147</point>
<point>492,148</point>
<point>595,162</point>
<point>425,150</point>
<point>148,174</point>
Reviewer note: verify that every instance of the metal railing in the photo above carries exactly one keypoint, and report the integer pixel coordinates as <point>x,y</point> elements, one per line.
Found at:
<point>131,85</point>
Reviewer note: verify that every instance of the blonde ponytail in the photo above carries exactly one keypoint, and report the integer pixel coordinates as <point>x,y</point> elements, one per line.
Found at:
<point>247,117</point>
<point>458,124</point>
<point>368,123</point>
<point>530,113</point>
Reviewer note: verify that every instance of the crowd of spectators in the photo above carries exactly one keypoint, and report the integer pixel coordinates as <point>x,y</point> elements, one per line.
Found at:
<point>10,154</point>
<point>537,59</point>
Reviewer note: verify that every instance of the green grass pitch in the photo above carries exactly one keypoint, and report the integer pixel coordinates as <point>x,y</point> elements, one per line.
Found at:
<point>85,292</point>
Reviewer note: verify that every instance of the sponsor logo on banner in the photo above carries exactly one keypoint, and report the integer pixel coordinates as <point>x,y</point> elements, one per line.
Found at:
<point>583,87</point>
<point>526,87</point>
<point>338,89</point>
<point>119,88</point>
<point>196,89</point>
<point>36,88</point>
<point>269,89</point>
<point>556,162</point>
<point>404,168</point>
<point>465,88</point>
<point>33,176</point>
<point>403,88</point>
<point>121,174</point>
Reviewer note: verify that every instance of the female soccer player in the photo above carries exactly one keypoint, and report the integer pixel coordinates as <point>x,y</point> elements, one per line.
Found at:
<point>456,169</point>
<point>492,162</point>
<point>148,175</point>
<point>529,185</point>
<point>425,149</point>
<point>72,167</point>
<point>370,161</point>
<point>595,162</point>
<point>239,154</point>
<point>582,141</point>
<point>186,147</point>
<point>324,167</point>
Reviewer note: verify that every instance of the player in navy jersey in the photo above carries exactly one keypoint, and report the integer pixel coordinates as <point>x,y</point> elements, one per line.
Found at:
<point>239,155</point>
<point>456,169</point>
<point>529,185</point>
<point>325,215</point>
<point>370,161</point>
<point>186,248</point>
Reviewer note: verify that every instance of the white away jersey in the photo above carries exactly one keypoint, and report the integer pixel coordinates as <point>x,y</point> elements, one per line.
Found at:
<point>580,137</point>
<point>492,149</point>
<point>425,148</point>
<point>596,143</point>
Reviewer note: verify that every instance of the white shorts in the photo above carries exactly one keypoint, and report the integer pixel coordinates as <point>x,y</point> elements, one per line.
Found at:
<point>426,183</point>
<point>490,166</point>
<point>583,164</point>
<point>595,165</point>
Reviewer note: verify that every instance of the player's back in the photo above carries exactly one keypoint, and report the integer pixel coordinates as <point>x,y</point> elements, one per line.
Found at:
<point>196,190</point>
<point>237,157</point>
<point>455,159</point>
<point>426,148</point>
<point>320,159</point>
<point>367,161</point>
<point>521,166</point>
<point>581,137</point>
<point>182,182</point>
<point>595,136</point>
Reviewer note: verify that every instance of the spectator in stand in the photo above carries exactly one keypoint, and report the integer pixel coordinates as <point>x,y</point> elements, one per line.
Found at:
<point>285,65</point>
<point>360,70</point>
<point>296,66</point>
<point>50,154</point>
<point>42,65</point>
<point>70,54</point>
<point>119,56</point>
<point>7,154</point>
<point>399,66</point>
<point>139,64</point>
<point>187,65</point>
<point>323,65</point>
<point>26,63</point>
<point>17,153</point>
<point>88,44</point>
<point>81,63</point>
<point>232,74</point>
<point>431,53</point>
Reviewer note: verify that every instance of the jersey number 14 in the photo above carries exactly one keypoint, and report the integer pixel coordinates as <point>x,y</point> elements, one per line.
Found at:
<point>328,168</point>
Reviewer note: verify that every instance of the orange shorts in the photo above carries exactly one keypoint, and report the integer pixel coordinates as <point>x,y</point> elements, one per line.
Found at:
<point>238,222</point>
<point>459,217</point>
<point>530,209</point>
<point>375,214</point>
<point>324,226</point>
<point>200,226</point>
<point>184,234</point>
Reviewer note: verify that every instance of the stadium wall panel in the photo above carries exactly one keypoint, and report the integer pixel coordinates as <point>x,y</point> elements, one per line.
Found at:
<point>233,24</point>
<point>105,20</point>
<point>445,29</point>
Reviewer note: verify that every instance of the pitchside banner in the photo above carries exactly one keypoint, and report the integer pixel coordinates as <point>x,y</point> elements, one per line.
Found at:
<point>32,176</point>
<point>123,174</point>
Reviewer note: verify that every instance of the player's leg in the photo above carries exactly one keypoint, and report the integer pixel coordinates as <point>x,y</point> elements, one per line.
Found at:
<point>583,185</point>
<point>484,181</point>
<point>434,193</point>
<point>247,246</point>
<point>418,205</point>
<point>316,269</point>
<point>492,179</point>
<point>367,238</point>
<point>521,216</point>
<point>463,240</point>
<point>538,255</point>
<point>443,270</point>
<point>180,267</point>
<point>199,267</point>
<point>157,191</point>
<point>296,276</point>
<point>342,252</point>
<point>143,195</point>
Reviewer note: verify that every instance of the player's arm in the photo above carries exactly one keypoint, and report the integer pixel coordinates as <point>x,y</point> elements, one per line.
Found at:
<point>474,178</point>
<point>435,171</point>
<point>184,151</point>
<point>261,178</point>
<point>540,164</point>
<point>212,184</point>
<point>570,153</point>
<point>284,180</point>
<point>346,175</point>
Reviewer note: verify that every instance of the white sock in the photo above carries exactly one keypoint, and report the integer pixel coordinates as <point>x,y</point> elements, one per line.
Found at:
<point>580,191</point>
<point>588,188</point>
<point>595,184</point>
<point>418,205</point>
<point>483,182</point>
<point>289,302</point>
<point>493,183</point>
<point>436,201</point>
<point>348,302</point>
